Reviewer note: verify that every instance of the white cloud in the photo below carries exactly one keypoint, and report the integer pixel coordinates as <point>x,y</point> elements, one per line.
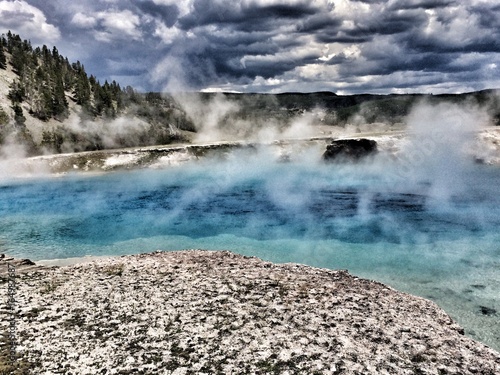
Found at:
<point>121,23</point>
<point>113,24</point>
<point>167,34</point>
<point>84,21</point>
<point>28,21</point>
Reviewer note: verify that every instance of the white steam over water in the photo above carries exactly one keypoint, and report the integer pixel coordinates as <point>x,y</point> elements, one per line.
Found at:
<point>440,147</point>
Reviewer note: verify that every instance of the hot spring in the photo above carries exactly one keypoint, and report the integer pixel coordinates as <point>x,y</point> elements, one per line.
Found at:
<point>434,234</point>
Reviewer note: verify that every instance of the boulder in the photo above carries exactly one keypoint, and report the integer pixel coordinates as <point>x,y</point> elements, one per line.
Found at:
<point>350,149</point>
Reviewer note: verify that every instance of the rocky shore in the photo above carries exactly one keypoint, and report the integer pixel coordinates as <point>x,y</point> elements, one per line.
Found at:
<point>206,312</point>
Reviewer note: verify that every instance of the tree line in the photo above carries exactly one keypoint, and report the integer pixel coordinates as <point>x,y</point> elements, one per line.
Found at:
<point>45,77</point>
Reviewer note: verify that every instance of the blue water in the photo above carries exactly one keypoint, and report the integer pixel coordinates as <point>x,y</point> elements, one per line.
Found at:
<point>432,236</point>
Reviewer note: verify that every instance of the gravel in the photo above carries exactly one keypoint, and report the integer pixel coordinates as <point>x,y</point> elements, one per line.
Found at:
<point>216,312</point>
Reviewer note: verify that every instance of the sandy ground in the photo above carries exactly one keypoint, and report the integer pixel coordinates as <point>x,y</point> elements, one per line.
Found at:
<point>206,312</point>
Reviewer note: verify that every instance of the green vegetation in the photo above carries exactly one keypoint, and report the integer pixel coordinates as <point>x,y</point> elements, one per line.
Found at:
<point>114,269</point>
<point>3,59</point>
<point>45,77</point>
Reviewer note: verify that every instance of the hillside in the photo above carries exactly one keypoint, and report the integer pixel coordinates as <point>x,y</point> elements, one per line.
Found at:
<point>49,105</point>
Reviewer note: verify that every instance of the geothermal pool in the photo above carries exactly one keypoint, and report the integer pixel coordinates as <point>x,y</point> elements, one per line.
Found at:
<point>423,228</point>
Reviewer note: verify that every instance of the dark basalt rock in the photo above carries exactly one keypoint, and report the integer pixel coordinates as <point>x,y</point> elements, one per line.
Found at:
<point>350,149</point>
<point>487,310</point>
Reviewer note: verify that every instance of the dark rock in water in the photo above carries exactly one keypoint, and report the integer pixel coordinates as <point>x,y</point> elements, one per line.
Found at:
<point>478,286</point>
<point>487,310</point>
<point>350,149</point>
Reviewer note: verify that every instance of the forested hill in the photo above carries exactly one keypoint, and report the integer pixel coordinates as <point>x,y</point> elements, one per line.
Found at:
<point>41,93</point>
<point>44,77</point>
<point>51,105</point>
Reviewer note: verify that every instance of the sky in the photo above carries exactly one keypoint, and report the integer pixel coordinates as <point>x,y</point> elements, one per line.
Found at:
<point>271,46</point>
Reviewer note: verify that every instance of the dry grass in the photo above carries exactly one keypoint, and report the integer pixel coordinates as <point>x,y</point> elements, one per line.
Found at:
<point>114,269</point>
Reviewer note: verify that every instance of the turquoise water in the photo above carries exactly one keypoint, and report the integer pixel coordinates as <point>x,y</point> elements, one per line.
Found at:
<point>434,234</point>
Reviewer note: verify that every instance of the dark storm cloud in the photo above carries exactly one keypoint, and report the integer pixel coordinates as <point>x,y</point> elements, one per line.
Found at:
<point>400,22</point>
<point>319,22</point>
<point>421,4</point>
<point>241,17</point>
<point>381,66</point>
<point>262,45</point>
<point>168,13</point>
<point>489,17</point>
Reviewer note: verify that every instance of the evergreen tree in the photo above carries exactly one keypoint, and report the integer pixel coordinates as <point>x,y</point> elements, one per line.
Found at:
<point>18,61</point>
<point>10,43</point>
<point>45,107</point>
<point>26,46</point>
<point>3,59</point>
<point>53,141</point>
<point>18,115</point>
<point>82,87</point>
<point>46,55</point>
<point>117,95</point>
<point>107,100</point>
<point>59,102</point>
<point>17,92</point>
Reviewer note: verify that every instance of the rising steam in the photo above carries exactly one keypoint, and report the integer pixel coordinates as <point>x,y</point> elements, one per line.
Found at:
<point>440,147</point>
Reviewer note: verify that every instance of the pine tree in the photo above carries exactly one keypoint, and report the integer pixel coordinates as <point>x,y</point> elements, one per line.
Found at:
<point>46,55</point>
<point>45,109</point>
<point>3,59</point>
<point>98,99</point>
<point>18,115</point>
<point>10,43</point>
<point>17,92</point>
<point>117,95</point>
<point>18,61</point>
<point>59,102</point>
<point>82,87</point>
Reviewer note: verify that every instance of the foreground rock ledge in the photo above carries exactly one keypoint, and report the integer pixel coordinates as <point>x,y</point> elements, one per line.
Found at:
<point>195,312</point>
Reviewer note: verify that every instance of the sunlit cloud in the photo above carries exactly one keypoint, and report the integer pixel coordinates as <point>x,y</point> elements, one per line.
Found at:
<point>30,21</point>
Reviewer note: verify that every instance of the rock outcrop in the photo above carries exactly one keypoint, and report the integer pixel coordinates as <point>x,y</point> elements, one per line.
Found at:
<point>208,312</point>
<point>20,265</point>
<point>350,150</point>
